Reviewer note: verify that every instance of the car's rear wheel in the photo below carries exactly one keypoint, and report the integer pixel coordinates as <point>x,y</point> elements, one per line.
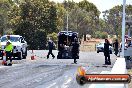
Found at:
<point>97,51</point>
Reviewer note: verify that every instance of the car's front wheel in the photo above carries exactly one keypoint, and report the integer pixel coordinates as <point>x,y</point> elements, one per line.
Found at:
<point>97,51</point>
<point>24,54</point>
<point>19,55</point>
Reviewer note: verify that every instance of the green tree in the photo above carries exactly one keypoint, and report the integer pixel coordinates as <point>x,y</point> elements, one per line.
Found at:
<point>4,8</point>
<point>61,11</point>
<point>104,35</point>
<point>53,36</point>
<point>93,16</point>
<point>34,20</point>
<point>100,34</point>
<point>89,7</point>
<point>79,20</point>
<point>97,34</point>
<point>67,6</point>
<point>113,18</point>
<point>53,19</point>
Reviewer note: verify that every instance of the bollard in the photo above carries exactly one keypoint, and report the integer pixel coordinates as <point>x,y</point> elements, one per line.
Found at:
<point>4,58</point>
<point>32,56</point>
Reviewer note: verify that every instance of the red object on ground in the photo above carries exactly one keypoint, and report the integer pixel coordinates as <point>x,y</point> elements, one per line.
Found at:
<point>4,58</point>
<point>32,56</point>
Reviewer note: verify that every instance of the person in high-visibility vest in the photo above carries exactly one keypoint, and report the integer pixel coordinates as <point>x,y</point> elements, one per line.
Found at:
<point>9,49</point>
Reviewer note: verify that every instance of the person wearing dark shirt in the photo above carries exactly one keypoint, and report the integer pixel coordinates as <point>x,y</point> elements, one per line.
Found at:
<point>50,46</point>
<point>61,49</point>
<point>75,50</point>
<point>107,52</point>
<point>116,45</point>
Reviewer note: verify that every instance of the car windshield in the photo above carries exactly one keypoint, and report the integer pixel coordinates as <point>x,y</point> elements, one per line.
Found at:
<point>100,43</point>
<point>12,39</point>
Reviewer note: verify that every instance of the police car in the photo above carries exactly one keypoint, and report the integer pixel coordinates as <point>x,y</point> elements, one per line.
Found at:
<point>19,45</point>
<point>65,40</point>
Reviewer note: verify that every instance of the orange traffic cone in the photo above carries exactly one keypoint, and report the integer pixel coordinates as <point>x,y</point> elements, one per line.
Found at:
<point>32,56</point>
<point>4,58</point>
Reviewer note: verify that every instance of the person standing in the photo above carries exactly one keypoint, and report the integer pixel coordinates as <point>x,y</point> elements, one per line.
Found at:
<point>75,50</point>
<point>61,49</point>
<point>107,52</point>
<point>0,48</point>
<point>8,50</point>
<point>116,45</point>
<point>50,46</point>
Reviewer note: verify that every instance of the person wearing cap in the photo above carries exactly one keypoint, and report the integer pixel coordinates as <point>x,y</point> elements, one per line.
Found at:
<point>8,50</point>
<point>75,50</point>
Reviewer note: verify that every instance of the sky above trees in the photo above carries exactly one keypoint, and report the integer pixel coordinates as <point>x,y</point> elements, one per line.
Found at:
<point>102,5</point>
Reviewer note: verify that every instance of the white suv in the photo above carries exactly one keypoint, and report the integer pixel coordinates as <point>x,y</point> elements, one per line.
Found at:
<point>19,45</point>
<point>100,48</point>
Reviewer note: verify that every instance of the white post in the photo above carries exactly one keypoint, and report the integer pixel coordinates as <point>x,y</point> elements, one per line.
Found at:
<point>123,27</point>
<point>67,21</point>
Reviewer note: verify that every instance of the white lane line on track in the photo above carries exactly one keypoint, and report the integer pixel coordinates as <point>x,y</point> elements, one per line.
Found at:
<point>51,85</point>
<point>65,85</point>
<point>14,65</point>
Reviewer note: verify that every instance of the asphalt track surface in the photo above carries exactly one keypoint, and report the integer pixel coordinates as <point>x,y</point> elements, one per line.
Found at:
<point>51,73</point>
